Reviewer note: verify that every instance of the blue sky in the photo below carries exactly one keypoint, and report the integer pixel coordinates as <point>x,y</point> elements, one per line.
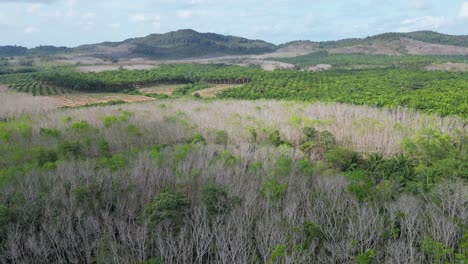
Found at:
<point>75,22</point>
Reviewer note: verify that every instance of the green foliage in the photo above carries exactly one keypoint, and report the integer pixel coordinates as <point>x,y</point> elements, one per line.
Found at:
<point>228,158</point>
<point>181,152</point>
<point>344,61</point>
<point>219,137</point>
<point>109,121</point>
<point>133,130</point>
<point>217,199</point>
<point>114,163</point>
<point>53,133</point>
<point>435,252</point>
<point>272,190</point>
<point>365,257</point>
<point>104,148</point>
<point>156,155</point>
<point>197,138</point>
<point>343,158</point>
<point>255,167</point>
<point>275,138</point>
<point>440,92</point>
<point>282,167</point>
<point>83,195</point>
<point>361,186</point>
<point>80,126</point>
<point>313,232</point>
<point>155,260</point>
<point>189,88</point>
<point>304,167</point>
<point>70,149</point>
<point>46,156</point>
<point>167,205</point>
<point>6,217</point>
<point>277,254</point>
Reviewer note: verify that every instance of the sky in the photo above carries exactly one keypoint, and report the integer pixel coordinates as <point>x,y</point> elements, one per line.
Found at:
<point>74,22</point>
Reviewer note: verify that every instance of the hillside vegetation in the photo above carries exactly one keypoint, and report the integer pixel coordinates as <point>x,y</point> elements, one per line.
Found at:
<point>188,43</point>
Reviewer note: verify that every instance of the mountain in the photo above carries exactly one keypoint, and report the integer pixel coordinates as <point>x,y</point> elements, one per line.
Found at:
<point>184,43</point>
<point>412,43</point>
<point>188,43</point>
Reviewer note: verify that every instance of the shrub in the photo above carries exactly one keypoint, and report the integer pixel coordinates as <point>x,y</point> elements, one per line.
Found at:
<point>430,146</point>
<point>275,138</point>
<point>45,156</point>
<point>310,133</point>
<point>104,148</point>
<point>282,167</point>
<point>366,257</point>
<point>313,232</point>
<point>304,167</point>
<point>217,199</point>
<point>277,254</point>
<point>156,155</point>
<point>273,190</point>
<point>69,149</point>
<point>80,126</point>
<point>6,217</point>
<point>181,152</point>
<point>219,137</point>
<point>114,163</point>
<point>54,133</point>
<point>109,121</point>
<point>436,252</point>
<point>255,167</point>
<point>228,159</point>
<point>133,130</point>
<point>343,159</point>
<point>167,205</point>
<point>361,185</point>
<point>252,134</point>
<point>197,138</point>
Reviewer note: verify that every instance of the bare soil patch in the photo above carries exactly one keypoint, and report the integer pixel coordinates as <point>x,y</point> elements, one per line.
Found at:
<point>166,89</point>
<point>213,91</point>
<point>448,67</point>
<point>113,67</point>
<point>80,99</point>
<point>319,67</point>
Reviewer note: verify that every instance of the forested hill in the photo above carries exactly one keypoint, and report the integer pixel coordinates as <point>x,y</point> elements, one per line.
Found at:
<point>182,44</point>
<point>188,43</point>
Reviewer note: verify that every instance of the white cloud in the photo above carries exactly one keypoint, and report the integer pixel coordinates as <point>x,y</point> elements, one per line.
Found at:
<point>115,25</point>
<point>419,4</point>
<point>33,8</point>
<point>153,19</point>
<point>30,30</point>
<point>87,21</point>
<point>464,10</point>
<point>424,23</point>
<point>137,18</point>
<point>185,14</point>
<point>189,13</point>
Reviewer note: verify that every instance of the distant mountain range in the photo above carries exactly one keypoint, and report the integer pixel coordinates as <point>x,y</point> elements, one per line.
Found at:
<point>188,43</point>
